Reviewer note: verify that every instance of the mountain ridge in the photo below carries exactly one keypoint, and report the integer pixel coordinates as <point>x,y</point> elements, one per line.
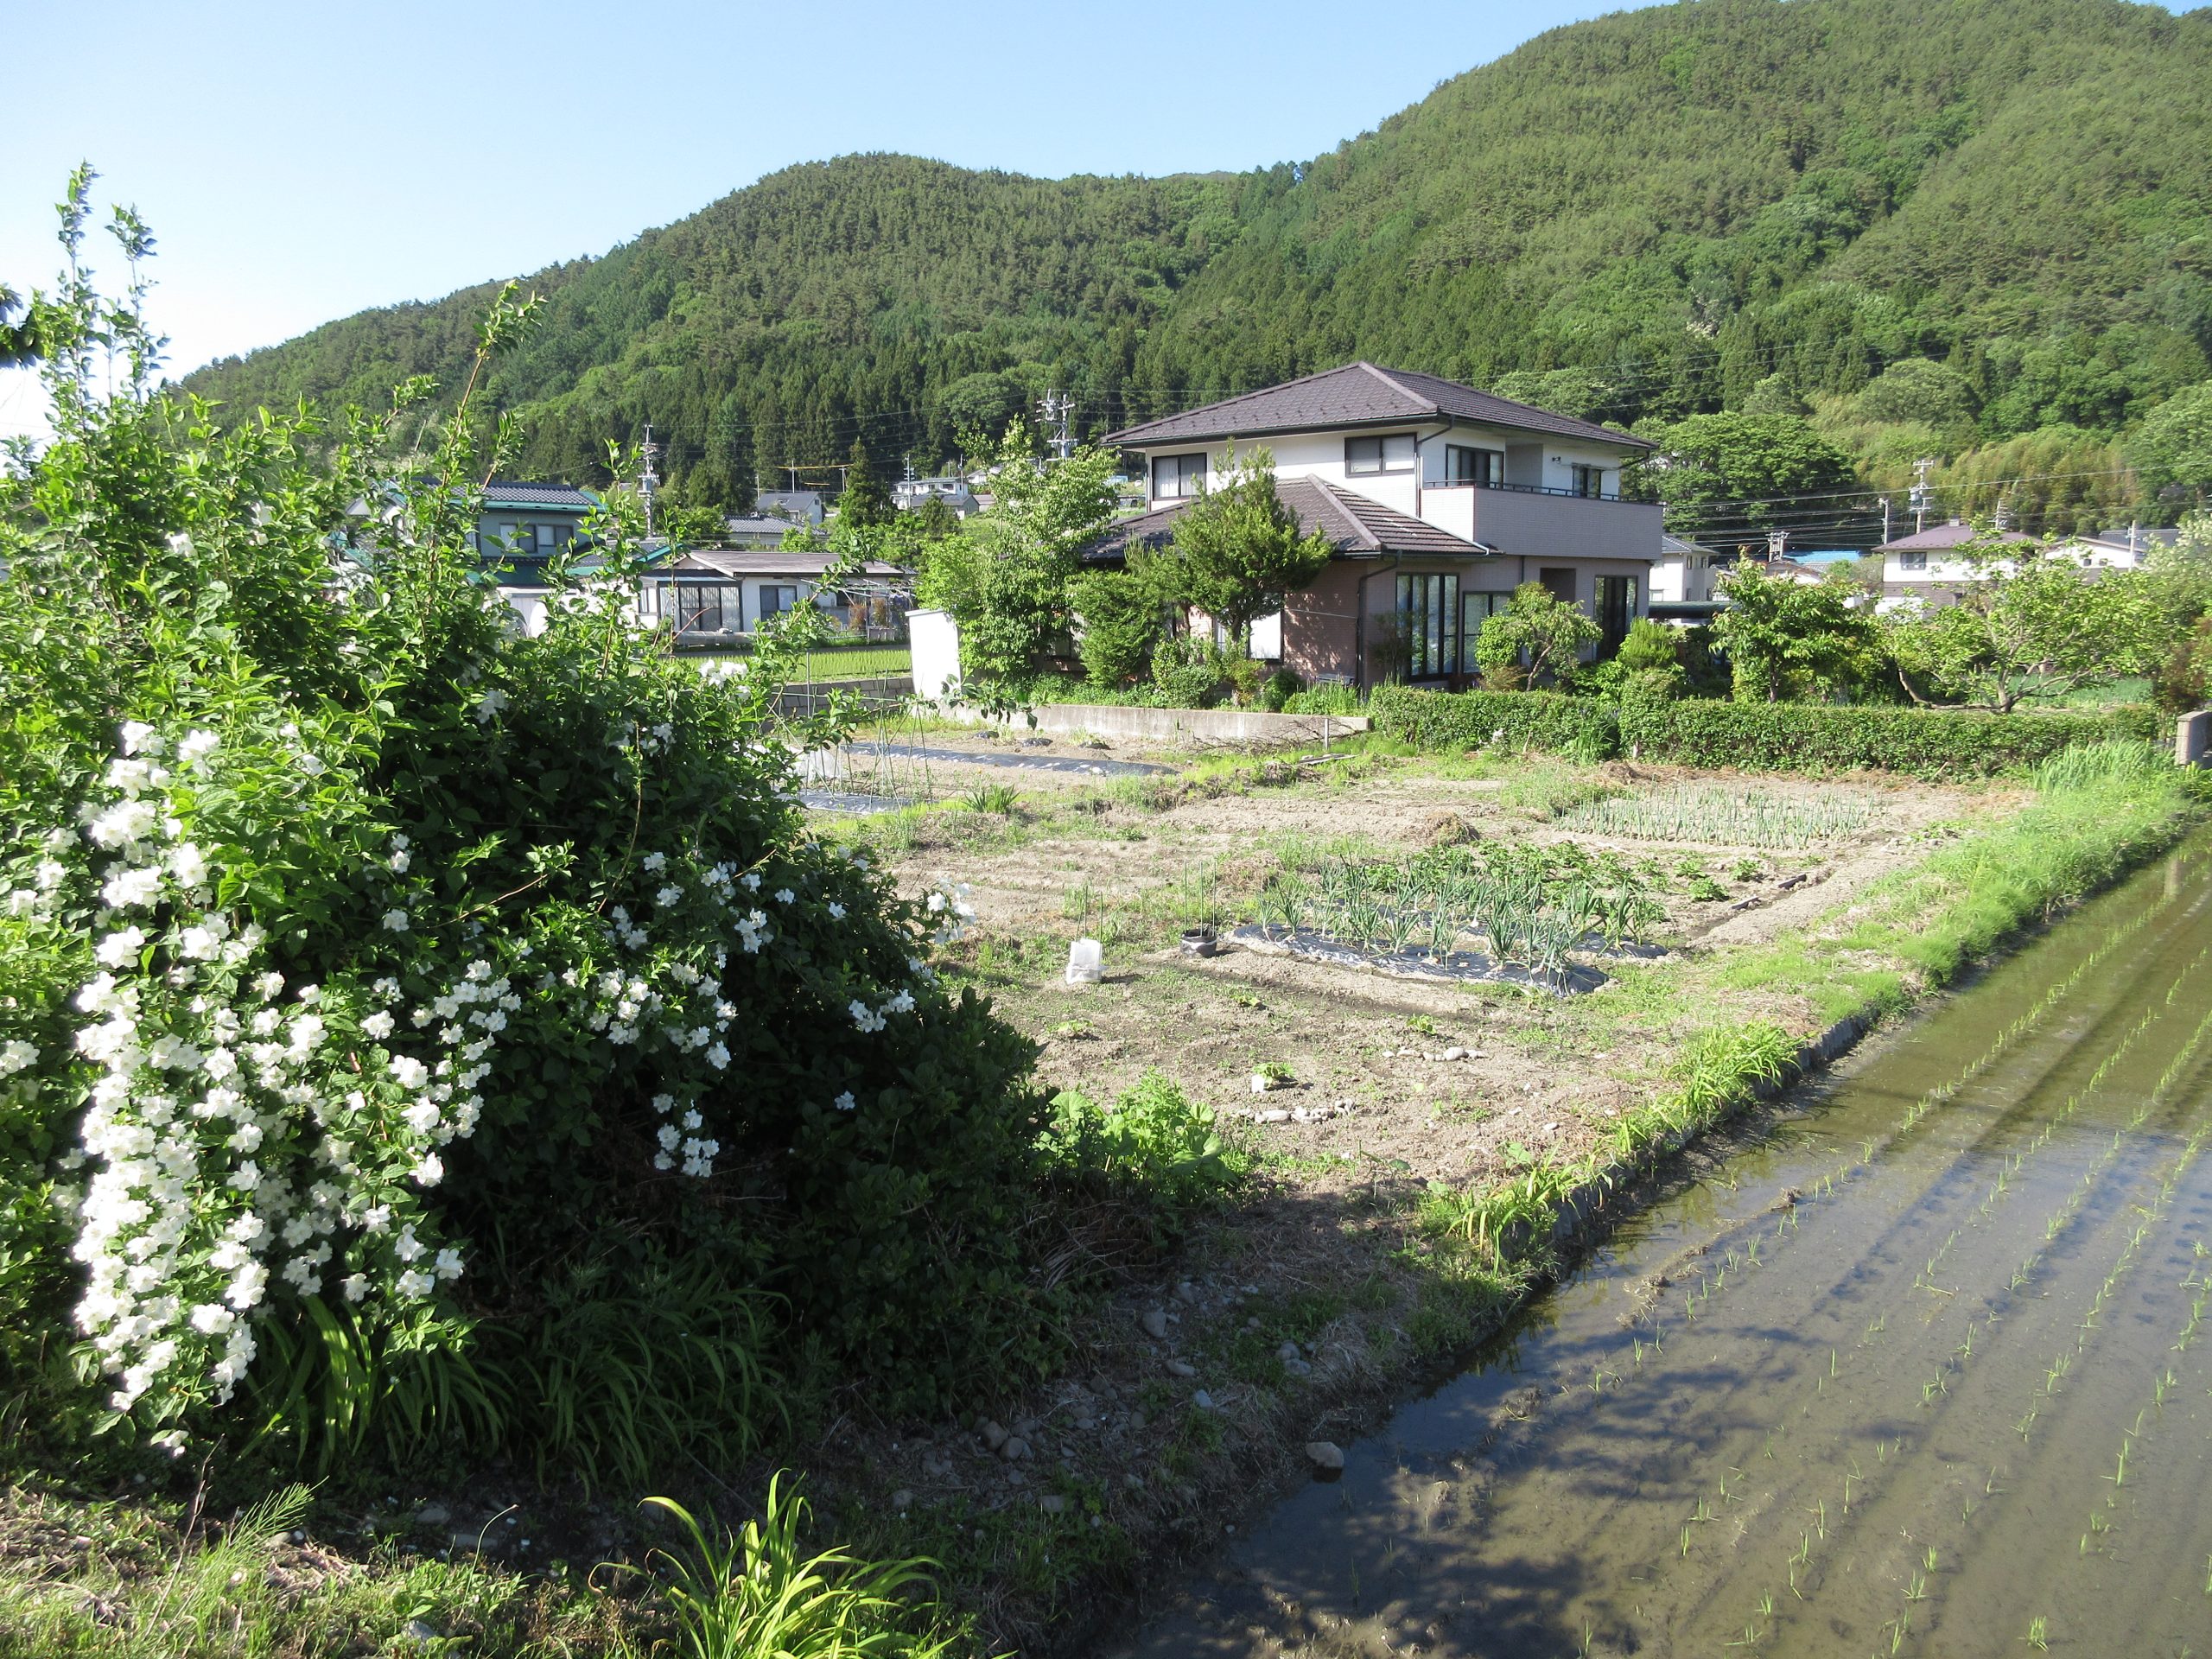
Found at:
<point>1639,217</point>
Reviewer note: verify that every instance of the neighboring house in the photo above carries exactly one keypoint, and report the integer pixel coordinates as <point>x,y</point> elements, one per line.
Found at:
<point>1925,567</point>
<point>1798,570</point>
<point>910,492</point>
<point>1685,582</point>
<point>2126,548</point>
<point>800,506</point>
<point>525,524</point>
<point>712,594</point>
<point>1440,500</point>
<point>522,527</point>
<point>757,530</point>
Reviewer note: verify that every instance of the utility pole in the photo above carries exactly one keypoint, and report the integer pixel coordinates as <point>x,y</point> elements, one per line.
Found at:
<point>1056,409</point>
<point>648,480</point>
<point>1885,519</point>
<point>1920,493</point>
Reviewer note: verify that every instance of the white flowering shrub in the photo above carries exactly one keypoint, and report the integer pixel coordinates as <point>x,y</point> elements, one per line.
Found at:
<point>375,974</point>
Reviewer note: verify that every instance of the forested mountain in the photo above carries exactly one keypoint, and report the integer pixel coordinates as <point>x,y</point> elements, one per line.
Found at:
<point>1739,203</point>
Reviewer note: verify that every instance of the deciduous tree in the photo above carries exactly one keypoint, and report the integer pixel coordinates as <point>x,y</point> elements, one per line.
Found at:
<point>1787,639</point>
<point>1237,552</point>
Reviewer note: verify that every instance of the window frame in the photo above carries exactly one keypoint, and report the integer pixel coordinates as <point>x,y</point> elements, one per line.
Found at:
<point>1434,642</point>
<point>1184,476</point>
<point>1492,469</point>
<point>1382,441</point>
<point>1579,472</point>
<point>1915,561</point>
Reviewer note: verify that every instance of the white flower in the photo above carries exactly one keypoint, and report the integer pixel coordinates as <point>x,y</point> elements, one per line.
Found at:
<point>199,942</point>
<point>139,738</point>
<point>718,1057</point>
<point>120,950</point>
<point>213,1319</point>
<point>664,1103</point>
<point>311,764</point>
<point>409,1072</point>
<point>415,1283</point>
<point>394,921</point>
<point>751,881</point>
<point>489,703</point>
<point>785,895</point>
<point>49,874</point>
<point>130,888</point>
<point>668,895</point>
<point>865,1018</point>
<point>355,1285</point>
<point>837,912</point>
<point>667,1137</point>
<point>845,1103</point>
<point>399,861</point>
<point>377,1218</point>
<point>124,822</point>
<point>422,1116</point>
<point>448,1264</point>
<point>16,1056</point>
<point>188,865</point>
<point>407,1247</point>
<point>430,1171</point>
<point>692,1120</point>
<point>902,1003</point>
<point>654,862</point>
<point>193,748</point>
<point>378,1025</point>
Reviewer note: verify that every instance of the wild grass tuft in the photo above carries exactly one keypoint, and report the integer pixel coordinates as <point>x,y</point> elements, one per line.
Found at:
<point>755,1593</point>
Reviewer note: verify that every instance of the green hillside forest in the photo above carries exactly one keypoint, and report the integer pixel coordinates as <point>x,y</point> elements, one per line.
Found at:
<point>1977,231</point>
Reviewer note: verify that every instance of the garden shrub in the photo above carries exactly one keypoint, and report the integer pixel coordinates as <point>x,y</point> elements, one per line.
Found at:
<point>1190,673</point>
<point>373,969</point>
<point>1282,685</point>
<point>1934,743</point>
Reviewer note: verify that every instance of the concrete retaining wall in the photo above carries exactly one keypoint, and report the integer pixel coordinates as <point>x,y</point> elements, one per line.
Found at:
<point>1199,726</point>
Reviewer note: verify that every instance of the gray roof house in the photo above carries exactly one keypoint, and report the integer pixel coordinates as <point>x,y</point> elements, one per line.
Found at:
<point>1438,500</point>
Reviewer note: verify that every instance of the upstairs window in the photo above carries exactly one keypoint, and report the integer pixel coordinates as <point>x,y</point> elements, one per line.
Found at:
<point>1176,477</point>
<point>1391,452</point>
<point>1912,561</point>
<point>1484,468</point>
<point>1585,480</point>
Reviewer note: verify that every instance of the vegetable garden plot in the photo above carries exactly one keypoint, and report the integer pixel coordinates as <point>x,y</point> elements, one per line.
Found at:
<point>1469,967</point>
<point>1725,818</point>
<point>1531,908</point>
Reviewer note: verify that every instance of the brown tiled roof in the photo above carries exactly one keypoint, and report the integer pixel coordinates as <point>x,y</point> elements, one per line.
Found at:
<point>1941,537</point>
<point>1356,527</point>
<point>1360,394</point>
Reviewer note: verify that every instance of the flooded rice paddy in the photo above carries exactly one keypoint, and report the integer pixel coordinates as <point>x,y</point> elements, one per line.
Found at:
<point>1923,1368</point>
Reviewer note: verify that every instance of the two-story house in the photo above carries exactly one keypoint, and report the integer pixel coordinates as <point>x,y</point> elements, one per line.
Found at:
<point>1440,500</point>
<point>1925,568</point>
<point>521,528</point>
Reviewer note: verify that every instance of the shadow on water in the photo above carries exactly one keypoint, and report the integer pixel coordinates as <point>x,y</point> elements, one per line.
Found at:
<point>1875,1376</point>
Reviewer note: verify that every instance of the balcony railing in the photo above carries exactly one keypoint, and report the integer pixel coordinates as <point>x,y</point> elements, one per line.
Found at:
<point>1521,489</point>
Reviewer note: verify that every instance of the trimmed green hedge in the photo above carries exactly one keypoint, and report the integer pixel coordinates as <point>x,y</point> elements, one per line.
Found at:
<point>1751,737</point>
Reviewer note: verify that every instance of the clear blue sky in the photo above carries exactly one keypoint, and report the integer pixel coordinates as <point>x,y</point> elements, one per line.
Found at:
<point>300,162</point>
